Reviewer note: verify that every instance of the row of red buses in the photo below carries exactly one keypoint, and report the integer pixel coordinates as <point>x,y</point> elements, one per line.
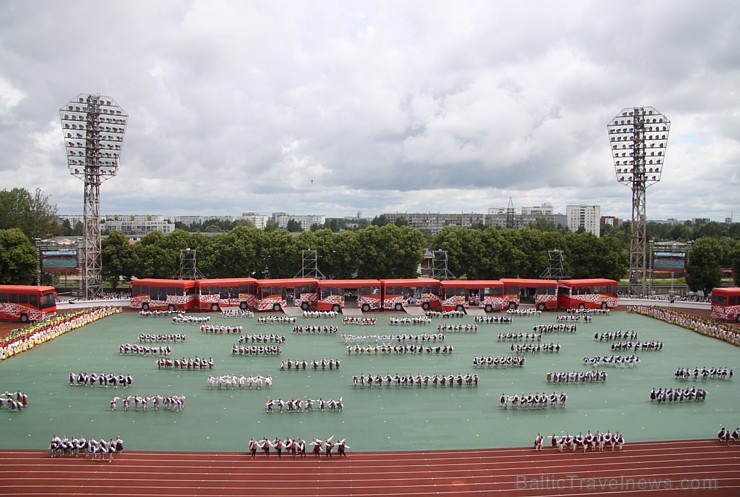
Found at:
<point>369,294</point>
<point>726,304</point>
<point>27,303</point>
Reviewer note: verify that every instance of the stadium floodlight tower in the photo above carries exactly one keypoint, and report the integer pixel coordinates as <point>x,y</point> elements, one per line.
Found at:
<point>93,127</point>
<point>638,137</point>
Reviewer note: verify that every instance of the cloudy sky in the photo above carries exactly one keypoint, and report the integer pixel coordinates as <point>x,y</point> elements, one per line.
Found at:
<point>339,107</point>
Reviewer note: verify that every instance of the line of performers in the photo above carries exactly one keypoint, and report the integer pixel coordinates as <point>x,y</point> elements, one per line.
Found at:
<point>173,403</point>
<point>704,373</point>
<point>418,320</point>
<point>320,314</point>
<point>15,401</point>
<point>236,312</point>
<point>445,314</point>
<point>573,317</point>
<point>329,364</point>
<point>725,436</point>
<point>256,350</point>
<point>493,319</point>
<point>593,376</point>
<point>232,382</point>
<point>594,441</point>
<point>307,405</point>
<point>271,338</point>
<point>661,395</point>
<point>519,337</point>
<point>219,329</point>
<point>524,312</point>
<point>533,401</point>
<point>408,380</point>
<point>156,314</point>
<point>103,379</point>
<point>98,450</point>
<point>613,361</point>
<point>314,329</point>
<point>651,346</point>
<point>358,321</point>
<point>534,348</point>
<point>609,336</point>
<point>272,319</point>
<point>424,337</point>
<point>457,328</point>
<point>601,312</point>
<point>555,328</point>
<point>133,349</point>
<point>499,362</point>
<point>185,363</point>
<point>398,349</point>
<point>297,447</point>
<point>162,338</point>
<point>188,319</point>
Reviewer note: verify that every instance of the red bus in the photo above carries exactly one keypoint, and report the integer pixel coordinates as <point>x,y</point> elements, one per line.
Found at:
<point>591,293</point>
<point>399,293</point>
<point>150,294</point>
<point>277,294</point>
<point>457,295</point>
<point>726,304</point>
<point>27,303</point>
<point>543,294</point>
<point>215,294</point>
<point>333,295</point>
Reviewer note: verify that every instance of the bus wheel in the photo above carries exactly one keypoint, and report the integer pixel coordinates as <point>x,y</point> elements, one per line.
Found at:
<point>603,305</point>
<point>541,307</point>
<point>512,305</point>
<point>24,318</point>
<point>276,307</point>
<point>335,308</point>
<point>171,308</point>
<point>304,306</point>
<point>488,308</point>
<point>581,306</point>
<point>399,307</point>
<point>145,306</point>
<point>365,308</point>
<point>214,307</point>
<point>243,306</point>
<point>425,306</point>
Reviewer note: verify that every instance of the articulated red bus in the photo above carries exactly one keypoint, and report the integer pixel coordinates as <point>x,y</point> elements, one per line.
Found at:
<point>215,294</point>
<point>335,294</point>
<point>543,294</point>
<point>591,293</point>
<point>726,304</point>
<point>27,303</point>
<point>277,294</point>
<point>457,295</point>
<point>152,294</point>
<point>400,293</point>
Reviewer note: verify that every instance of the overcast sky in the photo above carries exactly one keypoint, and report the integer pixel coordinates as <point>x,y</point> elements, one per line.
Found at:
<point>335,107</point>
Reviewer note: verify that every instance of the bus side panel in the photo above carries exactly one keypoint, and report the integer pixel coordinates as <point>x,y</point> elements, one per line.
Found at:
<point>726,313</point>
<point>550,301</point>
<point>373,302</point>
<point>328,303</point>
<point>451,303</point>
<point>496,303</point>
<point>15,311</point>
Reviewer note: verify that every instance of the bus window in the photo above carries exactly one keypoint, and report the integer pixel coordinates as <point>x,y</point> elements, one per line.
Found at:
<point>719,299</point>
<point>23,298</point>
<point>33,300</point>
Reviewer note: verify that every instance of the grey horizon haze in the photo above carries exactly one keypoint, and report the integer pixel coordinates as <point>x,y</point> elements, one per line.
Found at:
<point>334,107</point>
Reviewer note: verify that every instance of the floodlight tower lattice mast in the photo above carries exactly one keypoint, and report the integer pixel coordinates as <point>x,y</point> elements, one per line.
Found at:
<point>93,127</point>
<point>638,137</point>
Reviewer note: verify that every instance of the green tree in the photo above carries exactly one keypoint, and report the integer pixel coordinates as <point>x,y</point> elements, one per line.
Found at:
<point>380,220</point>
<point>389,251</point>
<point>32,214</point>
<point>119,258</point>
<point>704,269</point>
<point>18,258</point>
<point>294,226</point>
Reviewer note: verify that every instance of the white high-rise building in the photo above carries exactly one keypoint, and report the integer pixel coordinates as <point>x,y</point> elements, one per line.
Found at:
<point>588,216</point>
<point>259,221</point>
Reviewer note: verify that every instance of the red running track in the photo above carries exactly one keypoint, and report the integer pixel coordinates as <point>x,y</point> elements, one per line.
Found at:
<point>692,467</point>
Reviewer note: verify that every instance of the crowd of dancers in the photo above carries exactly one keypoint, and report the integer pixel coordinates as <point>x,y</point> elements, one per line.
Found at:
<point>614,361</point>
<point>191,363</point>
<point>493,319</point>
<point>704,373</point>
<point>417,320</point>
<point>457,328</point>
<point>499,362</point>
<point>217,329</point>
<point>236,312</point>
<point>304,405</point>
<point>188,319</point>
<point>330,364</point>
<point>232,382</point>
<point>14,401</point>
<point>445,314</point>
<point>273,319</point>
<point>172,403</point>
<point>534,401</point>
<point>315,329</point>
<point>650,346</point>
<point>423,338</point>
<point>555,328</point>
<point>573,317</point>
<point>133,349</point>
<point>271,338</point>
<point>534,348</point>
<point>725,436</point>
<point>524,312</point>
<point>297,447</point>
<point>398,349</point>
<point>595,441</point>
<point>97,450</point>
<point>357,320</point>
<point>418,380</point>
<point>593,376</point>
<point>256,350</point>
<point>320,314</point>
<point>609,336</point>
<point>162,338</point>
<point>101,379</point>
<point>519,337</point>
<point>669,394</point>
<point>157,314</point>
